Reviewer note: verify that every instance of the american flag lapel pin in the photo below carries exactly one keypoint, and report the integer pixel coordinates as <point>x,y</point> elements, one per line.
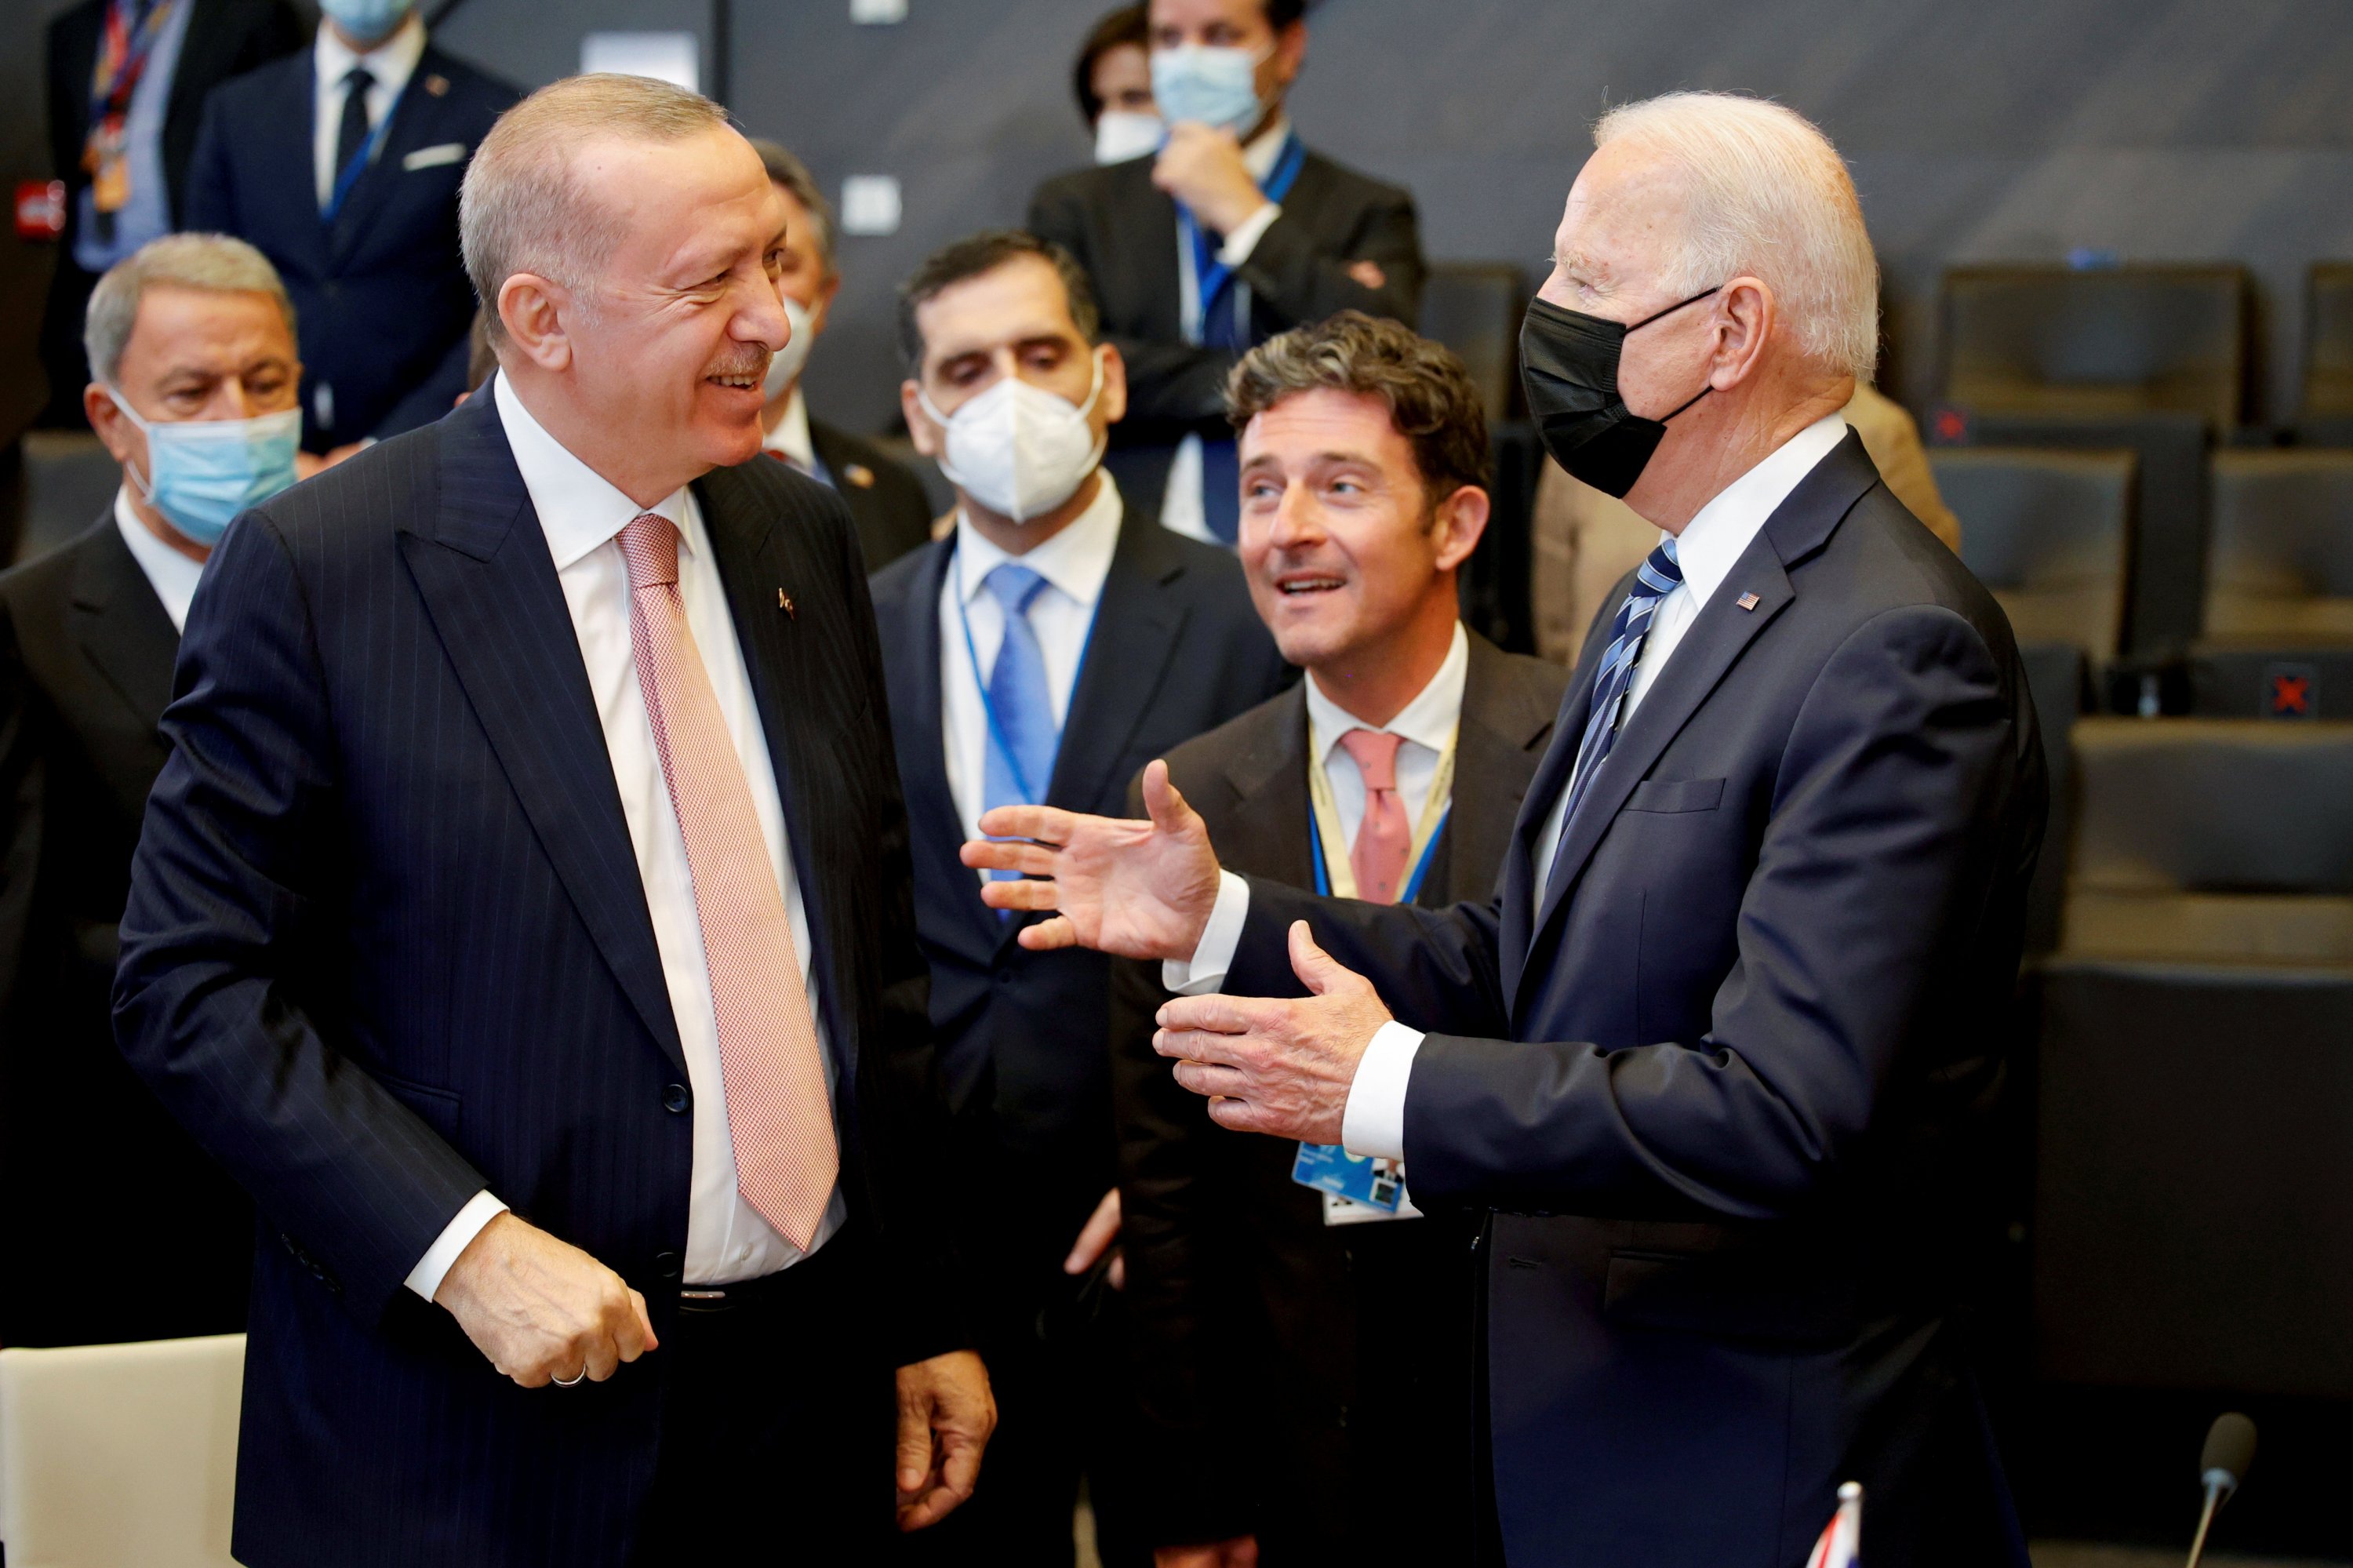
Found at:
<point>785,603</point>
<point>1746,601</point>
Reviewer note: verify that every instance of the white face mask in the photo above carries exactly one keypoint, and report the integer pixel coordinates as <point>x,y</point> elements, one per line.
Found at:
<point>1122,134</point>
<point>1019,449</point>
<point>786,363</point>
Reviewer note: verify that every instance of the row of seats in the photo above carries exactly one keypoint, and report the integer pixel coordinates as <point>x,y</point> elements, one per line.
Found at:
<point>2189,1054</point>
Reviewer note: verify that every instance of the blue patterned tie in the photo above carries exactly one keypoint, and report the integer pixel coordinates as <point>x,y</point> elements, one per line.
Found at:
<point>1659,575</point>
<point>1023,736</point>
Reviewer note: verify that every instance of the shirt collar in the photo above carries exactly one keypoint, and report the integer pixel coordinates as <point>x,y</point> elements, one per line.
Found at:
<point>578,508</point>
<point>1265,149</point>
<point>1431,719</point>
<point>171,574</point>
<point>1075,561</point>
<point>1712,542</point>
<point>791,436</point>
<point>391,62</point>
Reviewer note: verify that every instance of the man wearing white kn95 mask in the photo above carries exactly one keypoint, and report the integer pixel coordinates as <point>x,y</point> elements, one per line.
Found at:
<point>1044,651</point>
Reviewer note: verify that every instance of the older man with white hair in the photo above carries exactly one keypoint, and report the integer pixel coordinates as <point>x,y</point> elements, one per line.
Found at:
<point>1718,1057</point>
<point>523,918</point>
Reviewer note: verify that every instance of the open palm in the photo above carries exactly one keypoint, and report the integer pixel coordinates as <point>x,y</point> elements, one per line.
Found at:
<point>1140,889</point>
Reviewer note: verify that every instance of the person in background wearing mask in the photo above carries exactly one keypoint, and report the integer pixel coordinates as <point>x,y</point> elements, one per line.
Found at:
<point>885,501</point>
<point>1234,232</point>
<point>1044,651</point>
<point>342,164</point>
<point>127,84</point>
<point>1112,79</point>
<point>193,369</point>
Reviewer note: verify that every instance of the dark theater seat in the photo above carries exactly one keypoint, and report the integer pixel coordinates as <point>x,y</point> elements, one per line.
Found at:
<point>2278,638</point>
<point>1474,308</point>
<point>2193,1211</point>
<point>2326,418</point>
<point>2050,533</point>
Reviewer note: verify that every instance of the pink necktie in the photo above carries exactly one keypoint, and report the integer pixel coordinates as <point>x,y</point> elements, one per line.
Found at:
<point>779,1114</point>
<point>1383,839</point>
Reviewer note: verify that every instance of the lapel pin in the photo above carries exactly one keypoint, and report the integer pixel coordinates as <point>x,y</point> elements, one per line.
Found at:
<point>438,85</point>
<point>1746,601</point>
<point>785,603</point>
<point>858,475</point>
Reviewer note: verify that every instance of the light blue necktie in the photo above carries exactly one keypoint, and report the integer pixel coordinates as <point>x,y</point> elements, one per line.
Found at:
<point>1023,736</point>
<point>1659,575</point>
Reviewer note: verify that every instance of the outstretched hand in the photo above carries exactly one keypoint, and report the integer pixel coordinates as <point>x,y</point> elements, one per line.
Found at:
<point>1143,890</point>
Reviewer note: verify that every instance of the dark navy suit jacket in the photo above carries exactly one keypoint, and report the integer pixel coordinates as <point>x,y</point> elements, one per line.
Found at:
<point>381,301</point>
<point>387,945</point>
<point>1725,1089</point>
<point>1176,649</point>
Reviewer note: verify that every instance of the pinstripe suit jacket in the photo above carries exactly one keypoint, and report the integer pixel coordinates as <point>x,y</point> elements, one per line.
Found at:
<point>386,945</point>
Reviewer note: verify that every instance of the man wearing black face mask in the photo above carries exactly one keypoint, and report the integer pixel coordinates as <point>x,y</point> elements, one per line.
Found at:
<point>1718,1057</point>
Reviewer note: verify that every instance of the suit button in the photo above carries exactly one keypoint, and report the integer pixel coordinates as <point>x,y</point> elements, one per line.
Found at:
<point>676,1099</point>
<point>666,1265</point>
<point>1005,977</point>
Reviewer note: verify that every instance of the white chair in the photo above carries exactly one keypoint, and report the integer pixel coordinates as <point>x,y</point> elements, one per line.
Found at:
<point>120,1455</point>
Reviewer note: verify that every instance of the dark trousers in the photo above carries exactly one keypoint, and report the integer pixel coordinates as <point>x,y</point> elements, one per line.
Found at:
<point>778,1423</point>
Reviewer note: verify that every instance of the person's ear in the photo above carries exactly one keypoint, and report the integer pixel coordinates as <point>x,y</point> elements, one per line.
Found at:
<point>920,431</point>
<point>1290,53</point>
<point>1112,403</point>
<point>122,439</point>
<point>533,310</point>
<point>1744,322</point>
<point>824,306</point>
<point>1460,523</point>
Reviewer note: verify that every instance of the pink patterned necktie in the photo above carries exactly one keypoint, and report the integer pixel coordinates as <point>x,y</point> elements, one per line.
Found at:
<point>779,1114</point>
<point>1383,838</point>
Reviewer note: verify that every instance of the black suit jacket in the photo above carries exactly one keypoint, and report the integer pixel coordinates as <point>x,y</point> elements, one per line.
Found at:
<point>112,1198</point>
<point>1122,229</point>
<point>381,300</point>
<point>387,945</point>
<point>1227,1256</point>
<point>224,38</point>
<point>1176,649</point>
<point>885,501</point>
<point>1726,1090</point>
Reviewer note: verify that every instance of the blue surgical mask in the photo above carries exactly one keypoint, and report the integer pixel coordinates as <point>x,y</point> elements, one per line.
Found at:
<point>1217,86</point>
<point>368,21</point>
<point>203,473</point>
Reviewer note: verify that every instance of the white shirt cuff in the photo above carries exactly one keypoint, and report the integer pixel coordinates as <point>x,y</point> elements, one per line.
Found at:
<point>1246,235</point>
<point>1372,1124</point>
<point>1215,954</point>
<point>480,1210</point>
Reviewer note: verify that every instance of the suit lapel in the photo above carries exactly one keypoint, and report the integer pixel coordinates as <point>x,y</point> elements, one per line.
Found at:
<point>415,117</point>
<point>1147,228</point>
<point>1269,826</point>
<point>1499,726</point>
<point>935,825</point>
<point>122,626</point>
<point>1723,631</point>
<point>482,567</point>
<point>1128,647</point>
<point>1518,880</point>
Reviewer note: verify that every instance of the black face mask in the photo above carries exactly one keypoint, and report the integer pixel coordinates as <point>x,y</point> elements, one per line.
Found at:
<point>1569,364</point>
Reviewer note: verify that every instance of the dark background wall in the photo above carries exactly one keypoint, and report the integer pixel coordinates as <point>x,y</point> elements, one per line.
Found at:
<point>2002,130</point>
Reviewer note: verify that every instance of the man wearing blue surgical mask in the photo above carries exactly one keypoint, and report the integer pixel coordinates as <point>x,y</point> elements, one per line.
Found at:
<point>341,163</point>
<point>193,367</point>
<point>1045,650</point>
<point>1232,232</point>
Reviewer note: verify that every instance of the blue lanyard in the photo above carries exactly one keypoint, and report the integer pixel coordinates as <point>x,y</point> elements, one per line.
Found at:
<point>361,159</point>
<point>1211,275</point>
<point>996,735</point>
<point>1412,884</point>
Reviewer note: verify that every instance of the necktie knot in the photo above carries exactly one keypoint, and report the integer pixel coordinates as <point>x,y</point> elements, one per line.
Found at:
<point>649,545</point>
<point>1661,571</point>
<point>359,79</point>
<point>1014,587</point>
<point>1375,753</point>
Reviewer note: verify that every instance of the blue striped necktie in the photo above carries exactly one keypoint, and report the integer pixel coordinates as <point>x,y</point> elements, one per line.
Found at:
<point>1659,575</point>
<point>1024,737</point>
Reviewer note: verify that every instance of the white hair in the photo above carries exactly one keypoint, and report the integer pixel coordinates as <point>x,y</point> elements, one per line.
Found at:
<point>523,206</point>
<point>214,263</point>
<point>1768,196</point>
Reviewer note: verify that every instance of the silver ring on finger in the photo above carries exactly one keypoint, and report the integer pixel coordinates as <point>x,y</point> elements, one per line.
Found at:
<point>573,1381</point>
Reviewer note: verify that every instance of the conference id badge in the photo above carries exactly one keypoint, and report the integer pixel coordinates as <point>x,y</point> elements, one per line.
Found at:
<point>1360,1179</point>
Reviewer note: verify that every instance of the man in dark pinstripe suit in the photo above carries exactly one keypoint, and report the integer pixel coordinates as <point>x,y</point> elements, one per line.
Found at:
<point>524,917</point>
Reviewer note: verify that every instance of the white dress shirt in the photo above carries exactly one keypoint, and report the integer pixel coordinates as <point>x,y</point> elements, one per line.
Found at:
<point>791,436</point>
<point>1074,564</point>
<point>1425,727</point>
<point>583,515</point>
<point>391,62</point>
<point>171,574</point>
<point>1372,1123</point>
<point>1180,505</point>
